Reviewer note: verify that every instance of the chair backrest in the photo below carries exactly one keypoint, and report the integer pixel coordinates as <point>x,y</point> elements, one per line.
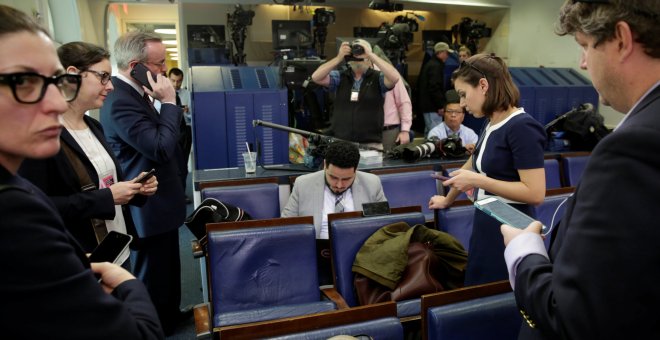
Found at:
<point>348,231</point>
<point>406,187</point>
<point>261,263</point>
<point>457,221</point>
<point>550,206</point>
<point>573,166</point>
<point>378,321</point>
<point>552,173</point>
<point>259,197</point>
<point>485,311</point>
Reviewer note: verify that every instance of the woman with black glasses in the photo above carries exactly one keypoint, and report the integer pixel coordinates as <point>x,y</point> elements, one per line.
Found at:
<point>84,179</point>
<point>507,161</point>
<point>48,288</point>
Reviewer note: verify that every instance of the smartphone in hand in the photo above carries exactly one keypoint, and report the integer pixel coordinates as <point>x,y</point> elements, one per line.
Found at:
<point>143,178</point>
<point>111,248</point>
<point>139,72</point>
<point>504,213</point>
<point>440,177</point>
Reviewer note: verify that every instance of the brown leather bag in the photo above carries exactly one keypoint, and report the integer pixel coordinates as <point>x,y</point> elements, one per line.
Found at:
<point>419,278</point>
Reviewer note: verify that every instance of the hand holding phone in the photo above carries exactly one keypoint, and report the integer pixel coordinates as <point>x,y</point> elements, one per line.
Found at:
<point>144,177</point>
<point>440,177</point>
<point>504,212</point>
<point>111,249</point>
<point>139,73</point>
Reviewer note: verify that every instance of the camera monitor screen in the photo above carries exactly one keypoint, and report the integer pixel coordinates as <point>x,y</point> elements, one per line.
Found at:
<point>292,34</point>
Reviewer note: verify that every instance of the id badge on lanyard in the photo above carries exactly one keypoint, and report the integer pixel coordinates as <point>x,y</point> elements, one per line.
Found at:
<point>354,95</point>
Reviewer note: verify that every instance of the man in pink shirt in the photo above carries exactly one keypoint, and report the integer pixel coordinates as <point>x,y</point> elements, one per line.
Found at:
<point>397,109</point>
<point>398,117</point>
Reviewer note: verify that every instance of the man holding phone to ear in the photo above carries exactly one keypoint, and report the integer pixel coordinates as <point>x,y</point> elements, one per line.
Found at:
<point>143,139</point>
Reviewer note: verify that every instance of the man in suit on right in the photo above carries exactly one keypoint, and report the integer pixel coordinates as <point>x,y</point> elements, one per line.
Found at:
<point>143,138</point>
<point>599,279</point>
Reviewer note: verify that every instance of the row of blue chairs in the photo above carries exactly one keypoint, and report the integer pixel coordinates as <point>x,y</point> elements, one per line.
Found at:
<point>403,187</point>
<point>264,270</point>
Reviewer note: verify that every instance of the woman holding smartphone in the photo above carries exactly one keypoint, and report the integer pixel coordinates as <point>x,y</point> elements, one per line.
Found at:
<point>85,158</point>
<point>44,270</point>
<point>507,161</point>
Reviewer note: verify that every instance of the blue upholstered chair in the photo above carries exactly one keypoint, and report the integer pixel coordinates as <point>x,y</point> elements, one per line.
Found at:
<point>262,270</point>
<point>573,166</point>
<point>545,211</point>
<point>259,197</point>
<point>457,221</point>
<point>378,321</point>
<point>348,231</point>
<point>552,173</point>
<point>406,187</point>
<point>486,311</point>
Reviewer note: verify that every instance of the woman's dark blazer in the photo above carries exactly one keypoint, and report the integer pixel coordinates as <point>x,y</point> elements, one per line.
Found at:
<point>57,178</point>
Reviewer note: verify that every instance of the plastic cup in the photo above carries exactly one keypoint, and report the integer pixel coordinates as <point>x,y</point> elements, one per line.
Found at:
<point>250,162</point>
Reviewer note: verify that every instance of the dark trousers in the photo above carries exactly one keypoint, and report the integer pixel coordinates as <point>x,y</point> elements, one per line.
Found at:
<point>158,266</point>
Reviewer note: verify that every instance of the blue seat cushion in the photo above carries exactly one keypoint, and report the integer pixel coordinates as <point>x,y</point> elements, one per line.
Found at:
<point>347,237</point>
<point>405,189</point>
<point>270,313</point>
<point>457,221</point>
<point>382,329</point>
<point>492,317</point>
<point>408,308</point>
<point>267,267</point>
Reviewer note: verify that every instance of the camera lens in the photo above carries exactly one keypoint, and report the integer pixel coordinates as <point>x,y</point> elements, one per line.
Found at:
<point>357,49</point>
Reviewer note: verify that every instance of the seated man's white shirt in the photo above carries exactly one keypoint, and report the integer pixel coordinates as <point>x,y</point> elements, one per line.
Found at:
<point>329,207</point>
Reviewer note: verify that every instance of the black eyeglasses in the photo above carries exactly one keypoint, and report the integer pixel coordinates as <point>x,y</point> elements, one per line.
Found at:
<point>30,87</point>
<point>104,77</point>
<point>466,64</point>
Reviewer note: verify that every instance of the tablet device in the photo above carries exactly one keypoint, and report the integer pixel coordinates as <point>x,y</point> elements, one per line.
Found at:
<point>504,213</point>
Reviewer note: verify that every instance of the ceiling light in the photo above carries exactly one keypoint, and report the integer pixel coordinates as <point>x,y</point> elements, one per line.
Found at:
<point>174,55</point>
<point>169,42</point>
<point>172,49</point>
<point>165,30</point>
<point>174,58</point>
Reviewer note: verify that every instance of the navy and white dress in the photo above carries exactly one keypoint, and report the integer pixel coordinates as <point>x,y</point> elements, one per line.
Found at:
<point>516,143</point>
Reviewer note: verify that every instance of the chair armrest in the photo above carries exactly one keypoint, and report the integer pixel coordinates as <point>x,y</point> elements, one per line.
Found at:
<point>202,321</point>
<point>197,249</point>
<point>334,296</point>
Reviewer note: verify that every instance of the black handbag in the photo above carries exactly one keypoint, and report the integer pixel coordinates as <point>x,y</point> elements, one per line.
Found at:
<point>211,211</point>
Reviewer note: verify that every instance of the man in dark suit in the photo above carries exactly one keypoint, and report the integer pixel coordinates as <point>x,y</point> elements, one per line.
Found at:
<point>142,139</point>
<point>600,278</point>
<point>431,87</point>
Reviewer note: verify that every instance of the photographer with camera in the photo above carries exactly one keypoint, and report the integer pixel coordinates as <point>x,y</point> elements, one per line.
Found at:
<point>360,90</point>
<point>452,126</point>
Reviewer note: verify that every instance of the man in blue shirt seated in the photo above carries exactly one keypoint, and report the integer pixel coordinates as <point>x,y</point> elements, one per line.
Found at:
<point>452,124</point>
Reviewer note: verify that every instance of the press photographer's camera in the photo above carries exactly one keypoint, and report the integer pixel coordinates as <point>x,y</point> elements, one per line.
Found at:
<point>452,147</point>
<point>356,50</point>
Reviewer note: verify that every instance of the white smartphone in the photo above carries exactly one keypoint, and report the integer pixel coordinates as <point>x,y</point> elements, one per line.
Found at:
<point>504,213</point>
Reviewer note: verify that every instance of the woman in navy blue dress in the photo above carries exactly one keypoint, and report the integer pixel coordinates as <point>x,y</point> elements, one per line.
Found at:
<point>507,161</point>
